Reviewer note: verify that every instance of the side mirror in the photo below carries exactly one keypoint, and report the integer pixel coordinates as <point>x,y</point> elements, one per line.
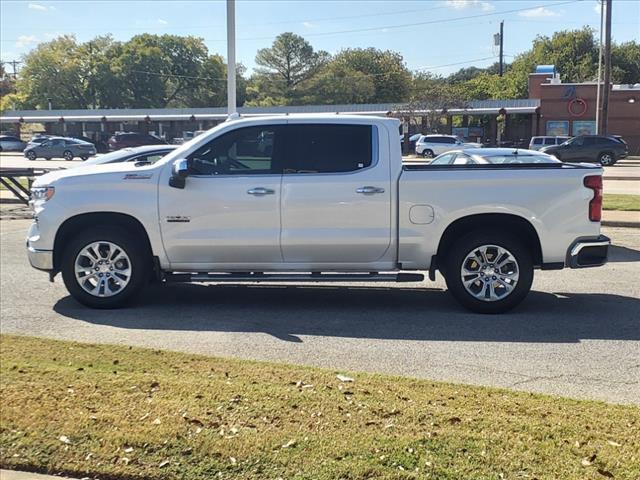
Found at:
<point>179,173</point>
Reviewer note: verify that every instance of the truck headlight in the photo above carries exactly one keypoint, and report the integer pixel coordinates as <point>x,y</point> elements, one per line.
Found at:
<point>42,193</point>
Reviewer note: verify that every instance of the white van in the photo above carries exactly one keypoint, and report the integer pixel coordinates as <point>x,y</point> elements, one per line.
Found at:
<point>537,143</point>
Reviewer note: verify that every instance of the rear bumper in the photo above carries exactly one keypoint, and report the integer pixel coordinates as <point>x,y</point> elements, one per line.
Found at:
<point>589,252</point>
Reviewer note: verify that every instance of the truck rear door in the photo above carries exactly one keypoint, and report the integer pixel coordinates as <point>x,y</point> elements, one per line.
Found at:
<point>336,195</point>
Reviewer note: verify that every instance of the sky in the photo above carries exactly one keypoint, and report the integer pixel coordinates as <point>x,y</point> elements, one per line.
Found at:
<point>440,36</point>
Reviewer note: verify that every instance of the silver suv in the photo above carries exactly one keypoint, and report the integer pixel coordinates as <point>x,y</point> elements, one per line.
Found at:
<point>537,143</point>
<point>430,146</point>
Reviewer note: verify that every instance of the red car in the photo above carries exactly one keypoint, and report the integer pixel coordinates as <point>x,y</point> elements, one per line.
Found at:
<point>133,139</point>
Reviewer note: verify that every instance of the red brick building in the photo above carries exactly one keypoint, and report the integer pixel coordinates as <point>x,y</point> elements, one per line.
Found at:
<point>570,108</point>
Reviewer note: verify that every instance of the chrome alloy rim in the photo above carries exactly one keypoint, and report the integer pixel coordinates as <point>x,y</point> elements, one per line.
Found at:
<point>489,273</point>
<point>606,159</point>
<point>103,269</point>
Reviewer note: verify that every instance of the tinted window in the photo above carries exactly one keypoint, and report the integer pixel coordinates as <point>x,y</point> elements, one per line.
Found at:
<point>591,141</point>
<point>9,139</point>
<point>56,142</point>
<point>537,141</point>
<point>244,151</point>
<point>448,140</point>
<point>433,139</point>
<point>549,141</point>
<point>328,148</point>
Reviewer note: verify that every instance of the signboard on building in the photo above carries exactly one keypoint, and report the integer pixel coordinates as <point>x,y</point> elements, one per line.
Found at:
<point>557,127</point>
<point>584,127</point>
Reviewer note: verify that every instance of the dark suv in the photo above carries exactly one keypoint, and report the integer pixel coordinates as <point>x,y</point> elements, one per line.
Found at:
<point>133,139</point>
<point>605,150</point>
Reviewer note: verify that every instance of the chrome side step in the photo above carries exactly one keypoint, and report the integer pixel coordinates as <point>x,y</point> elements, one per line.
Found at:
<point>294,277</point>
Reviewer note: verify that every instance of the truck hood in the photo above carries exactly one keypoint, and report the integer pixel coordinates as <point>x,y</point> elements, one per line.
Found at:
<point>93,172</point>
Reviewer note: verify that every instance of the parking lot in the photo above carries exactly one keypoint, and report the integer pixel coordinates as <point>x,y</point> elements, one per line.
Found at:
<point>577,334</point>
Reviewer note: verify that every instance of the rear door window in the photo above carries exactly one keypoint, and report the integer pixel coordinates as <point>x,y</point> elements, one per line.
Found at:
<point>537,141</point>
<point>549,141</point>
<point>328,148</point>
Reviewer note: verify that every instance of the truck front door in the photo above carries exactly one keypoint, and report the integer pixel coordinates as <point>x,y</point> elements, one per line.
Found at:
<point>229,211</point>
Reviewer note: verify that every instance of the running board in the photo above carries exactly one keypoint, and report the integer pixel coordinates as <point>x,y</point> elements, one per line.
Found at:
<point>294,277</point>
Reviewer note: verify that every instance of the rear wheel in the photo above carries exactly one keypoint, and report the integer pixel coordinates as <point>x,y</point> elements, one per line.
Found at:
<point>489,272</point>
<point>428,153</point>
<point>67,155</point>
<point>104,267</point>
<point>606,159</point>
<point>31,155</point>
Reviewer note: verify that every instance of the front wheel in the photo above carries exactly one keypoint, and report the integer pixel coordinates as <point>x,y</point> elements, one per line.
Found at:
<point>104,267</point>
<point>428,153</point>
<point>489,273</point>
<point>67,155</point>
<point>31,155</point>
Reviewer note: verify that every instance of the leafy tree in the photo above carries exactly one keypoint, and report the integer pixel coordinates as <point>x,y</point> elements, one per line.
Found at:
<point>54,70</point>
<point>339,84</point>
<point>390,77</point>
<point>625,61</point>
<point>287,64</point>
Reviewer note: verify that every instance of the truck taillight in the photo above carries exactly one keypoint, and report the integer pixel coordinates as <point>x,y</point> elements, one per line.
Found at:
<point>594,182</point>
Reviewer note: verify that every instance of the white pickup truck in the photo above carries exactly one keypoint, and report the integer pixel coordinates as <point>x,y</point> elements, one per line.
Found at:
<point>313,198</point>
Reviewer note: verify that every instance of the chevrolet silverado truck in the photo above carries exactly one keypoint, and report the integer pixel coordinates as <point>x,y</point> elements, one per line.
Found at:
<point>314,198</point>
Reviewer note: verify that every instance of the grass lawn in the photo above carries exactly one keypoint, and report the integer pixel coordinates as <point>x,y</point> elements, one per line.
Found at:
<point>118,412</point>
<point>22,180</point>
<point>621,202</point>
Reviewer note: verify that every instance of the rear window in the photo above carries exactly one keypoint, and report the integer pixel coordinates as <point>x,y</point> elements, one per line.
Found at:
<point>326,148</point>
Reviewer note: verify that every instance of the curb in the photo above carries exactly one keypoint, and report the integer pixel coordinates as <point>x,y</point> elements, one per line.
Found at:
<point>622,224</point>
<point>622,179</point>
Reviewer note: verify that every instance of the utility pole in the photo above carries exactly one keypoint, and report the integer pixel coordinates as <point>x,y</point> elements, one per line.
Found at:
<point>231,56</point>
<point>599,68</point>
<point>607,70</point>
<point>501,47</point>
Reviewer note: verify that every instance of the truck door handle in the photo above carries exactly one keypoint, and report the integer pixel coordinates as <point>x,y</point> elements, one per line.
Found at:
<point>369,190</point>
<point>259,191</point>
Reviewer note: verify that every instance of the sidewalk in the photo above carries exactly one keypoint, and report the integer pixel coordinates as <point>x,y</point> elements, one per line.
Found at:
<point>15,475</point>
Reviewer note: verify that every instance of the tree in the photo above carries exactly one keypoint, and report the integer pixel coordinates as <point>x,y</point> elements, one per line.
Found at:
<point>288,64</point>
<point>625,59</point>
<point>54,70</point>
<point>390,77</point>
<point>430,97</point>
<point>339,84</point>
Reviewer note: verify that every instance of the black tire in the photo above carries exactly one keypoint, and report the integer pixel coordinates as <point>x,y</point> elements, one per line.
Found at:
<point>140,266</point>
<point>47,158</point>
<point>31,155</point>
<point>606,159</point>
<point>67,155</point>
<point>428,153</point>
<point>456,255</point>
<point>84,158</point>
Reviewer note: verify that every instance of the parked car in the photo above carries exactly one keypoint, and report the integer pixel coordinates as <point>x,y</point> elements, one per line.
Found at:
<point>133,139</point>
<point>147,154</point>
<point>430,146</point>
<point>60,147</point>
<point>604,149</point>
<point>492,156</point>
<point>537,143</point>
<point>330,201</point>
<point>9,143</point>
<point>101,146</point>
<point>37,140</point>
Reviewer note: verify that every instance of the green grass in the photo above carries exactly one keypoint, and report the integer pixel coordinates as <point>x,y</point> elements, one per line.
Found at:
<point>118,412</point>
<point>22,180</point>
<point>622,202</point>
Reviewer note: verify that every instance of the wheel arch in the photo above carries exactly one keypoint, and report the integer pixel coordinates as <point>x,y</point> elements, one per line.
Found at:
<point>81,221</point>
<point>504,222</point>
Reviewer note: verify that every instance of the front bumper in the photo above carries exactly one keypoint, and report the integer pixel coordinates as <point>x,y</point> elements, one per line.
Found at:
<point>40,259</point>
<point>589,252</point>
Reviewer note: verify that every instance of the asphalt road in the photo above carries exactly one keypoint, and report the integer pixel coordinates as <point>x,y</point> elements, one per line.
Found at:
<point>577,334</point>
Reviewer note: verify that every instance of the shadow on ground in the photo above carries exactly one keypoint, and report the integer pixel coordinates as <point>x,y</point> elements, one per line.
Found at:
<point>288,312</point>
